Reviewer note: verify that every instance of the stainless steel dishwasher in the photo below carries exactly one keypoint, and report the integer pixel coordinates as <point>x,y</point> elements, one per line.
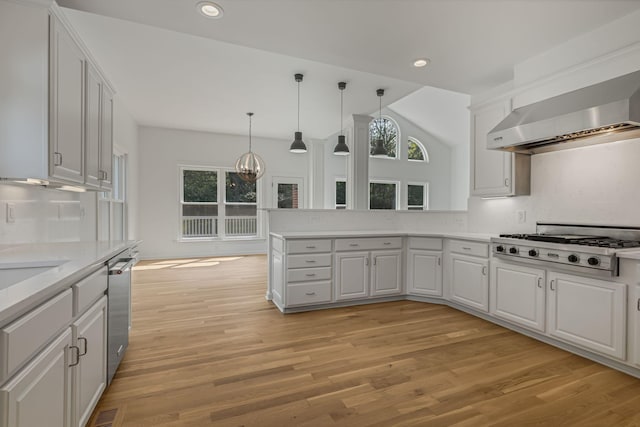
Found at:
<point>119,308</point>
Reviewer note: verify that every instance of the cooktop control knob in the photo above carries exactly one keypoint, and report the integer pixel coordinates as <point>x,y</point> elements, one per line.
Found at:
<point>533,252</point>
<point>573,258</point>
<point>593,261</point>
<point>513,250</point>
<point>499,248</point>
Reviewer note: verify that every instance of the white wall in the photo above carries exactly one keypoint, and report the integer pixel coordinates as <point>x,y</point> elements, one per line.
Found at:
<point>437,172</point>
<point>590,185</point>
<point>163,151</point>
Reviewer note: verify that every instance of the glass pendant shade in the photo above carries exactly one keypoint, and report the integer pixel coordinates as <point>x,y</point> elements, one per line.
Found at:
<point>379,150</point>
<point>298,146</point>
<point>250,167</point>
<point>341,147</point>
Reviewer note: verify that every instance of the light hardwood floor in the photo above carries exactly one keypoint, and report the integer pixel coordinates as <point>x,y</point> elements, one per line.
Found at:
<point>207,349</point>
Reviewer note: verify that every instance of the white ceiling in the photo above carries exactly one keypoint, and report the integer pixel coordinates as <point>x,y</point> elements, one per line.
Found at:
<point>185,71</point>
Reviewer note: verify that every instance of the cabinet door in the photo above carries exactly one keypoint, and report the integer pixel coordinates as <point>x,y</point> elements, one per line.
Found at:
<point>469,281</point>
<point>424,273</point>
<point>636,325</point>
<point>352,275</point>
<point>67,105</point>
<point>588,312</point>
<point>92,126</point>
<point>39,395</point>
<point>90,375</point>
<point>386,273</point>
<point>106,142</point>
<point>517,294</point>
<point>491,168</point>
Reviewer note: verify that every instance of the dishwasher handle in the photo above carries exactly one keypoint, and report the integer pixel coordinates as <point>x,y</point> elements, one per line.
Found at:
<point>122,266</point>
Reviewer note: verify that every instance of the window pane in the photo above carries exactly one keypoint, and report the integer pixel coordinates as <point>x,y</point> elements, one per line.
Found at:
<point>341,192</point>
<point>385,129</point>
<point>239,191</point>
<point>241,220</point>
<point>382,196</point>
<point>199,220</point>
<point>200,186</point>
<point>288,196</point>
<point>415,152</point>
<point>415,195</point>
<point>240,210</point>
<point>199,210</point>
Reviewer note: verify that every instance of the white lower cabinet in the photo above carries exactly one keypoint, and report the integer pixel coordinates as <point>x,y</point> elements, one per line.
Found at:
<point>386,273</point>
<point>588,312</point>
<point>518,294</point>
<point>424,272</point>
<point>470,281</point>
<point>90,374</point>
<point>40,394</point>
<point>352,275</point>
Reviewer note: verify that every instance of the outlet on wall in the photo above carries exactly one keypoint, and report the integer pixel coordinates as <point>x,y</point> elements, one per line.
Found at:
<point>521,217</point>
<point>11,212</point>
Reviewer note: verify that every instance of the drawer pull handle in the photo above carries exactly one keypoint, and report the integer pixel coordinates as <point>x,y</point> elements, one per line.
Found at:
<point>310,260</point>
<point>551,285</point>
<point>311,247</point>
<point>310,293</point>
<point>310,274</point>
<point>484,270</point>
<point>73,347</point>
<point>353,245</point>
<point>540,282</point>
<point>638,306</point>
<point>438,260</point>
<point>86,345</point>
<point>386,243</point>
<point>466,248</point>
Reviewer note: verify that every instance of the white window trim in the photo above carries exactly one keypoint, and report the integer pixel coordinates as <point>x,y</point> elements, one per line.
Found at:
<point>221,197</point>
<point>346,192</point>
<point>106,197</point>
<point>398,139</point>
<point>420,145</point>
<point>425,195</point>
<point>383,181</point>
<point>287,180</point>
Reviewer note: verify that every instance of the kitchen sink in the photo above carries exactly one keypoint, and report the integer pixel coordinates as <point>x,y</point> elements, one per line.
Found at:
<point>10,274</point>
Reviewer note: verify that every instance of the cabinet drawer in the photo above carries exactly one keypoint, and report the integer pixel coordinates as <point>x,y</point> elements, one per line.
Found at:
<point>308,246</point>
<point>309,293</point>
<point>429,243</point>
<point>469,248</point>
<point>368,243</point>
<point>309,260</point>
<point>309,274</point>
<point>88,290</point>
<point>22,338</point>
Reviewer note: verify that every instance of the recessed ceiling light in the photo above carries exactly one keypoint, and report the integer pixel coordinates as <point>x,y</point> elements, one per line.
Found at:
<point>422,62</point>
<point>210,9</point>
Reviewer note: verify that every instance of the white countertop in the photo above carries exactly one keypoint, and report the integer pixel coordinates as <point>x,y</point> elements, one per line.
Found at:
<point>72,261</point>
<point>378,233</point>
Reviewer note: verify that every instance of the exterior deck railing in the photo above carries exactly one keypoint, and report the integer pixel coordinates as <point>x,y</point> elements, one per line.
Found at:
<point>207,226</point>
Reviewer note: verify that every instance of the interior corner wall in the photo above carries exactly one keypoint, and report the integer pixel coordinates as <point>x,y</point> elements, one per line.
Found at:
<point>163,151</point>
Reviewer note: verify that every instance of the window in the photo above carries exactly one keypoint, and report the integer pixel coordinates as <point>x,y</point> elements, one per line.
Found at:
<point>202,214</point>
<point>341,194</point>
<point>386,129</point>
<point>417,197</point>
<point>383,195</point>
<point>288,192</point>
<point>112,208</point>
<point>416,151</point>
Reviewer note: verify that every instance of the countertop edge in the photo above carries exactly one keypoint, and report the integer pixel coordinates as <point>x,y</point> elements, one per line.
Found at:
<point>480,237</point>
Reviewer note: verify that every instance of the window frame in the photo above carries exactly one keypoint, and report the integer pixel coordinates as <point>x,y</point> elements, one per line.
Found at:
<point>335,193</point>
<point>299,181</point>
<point>384,181</point>
<point>422,148</point>
<point>221,203</point>
<point>108,201</point>
<point>425,196</point>
<point>398,138</point>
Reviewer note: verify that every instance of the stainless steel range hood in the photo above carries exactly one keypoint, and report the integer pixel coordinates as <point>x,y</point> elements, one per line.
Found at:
<point>605,112</point>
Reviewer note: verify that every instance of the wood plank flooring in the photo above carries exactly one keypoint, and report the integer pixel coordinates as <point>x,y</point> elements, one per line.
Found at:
<point>206,348</point>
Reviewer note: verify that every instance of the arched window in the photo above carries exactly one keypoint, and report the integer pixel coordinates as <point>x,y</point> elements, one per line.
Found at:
<point>416,151</point>
<point>386,129</point>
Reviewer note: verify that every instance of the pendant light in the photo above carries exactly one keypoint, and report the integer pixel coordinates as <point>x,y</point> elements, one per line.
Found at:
<point>297,146</point>
<point>379,150</point>
<point>250,167</point>
<point>341,147</point>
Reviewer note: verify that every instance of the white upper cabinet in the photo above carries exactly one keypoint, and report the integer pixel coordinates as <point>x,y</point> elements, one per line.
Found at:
<point>106,141</point>
<point>92,129</point>
<point>493,172</point>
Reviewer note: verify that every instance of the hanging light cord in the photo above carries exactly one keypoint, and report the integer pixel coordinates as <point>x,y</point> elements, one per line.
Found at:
<point>298,106</point>
<point>250,115</point>
<point>341,113</point>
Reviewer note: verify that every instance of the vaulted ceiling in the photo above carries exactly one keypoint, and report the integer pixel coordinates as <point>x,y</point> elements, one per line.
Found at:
<point>172,67</point>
